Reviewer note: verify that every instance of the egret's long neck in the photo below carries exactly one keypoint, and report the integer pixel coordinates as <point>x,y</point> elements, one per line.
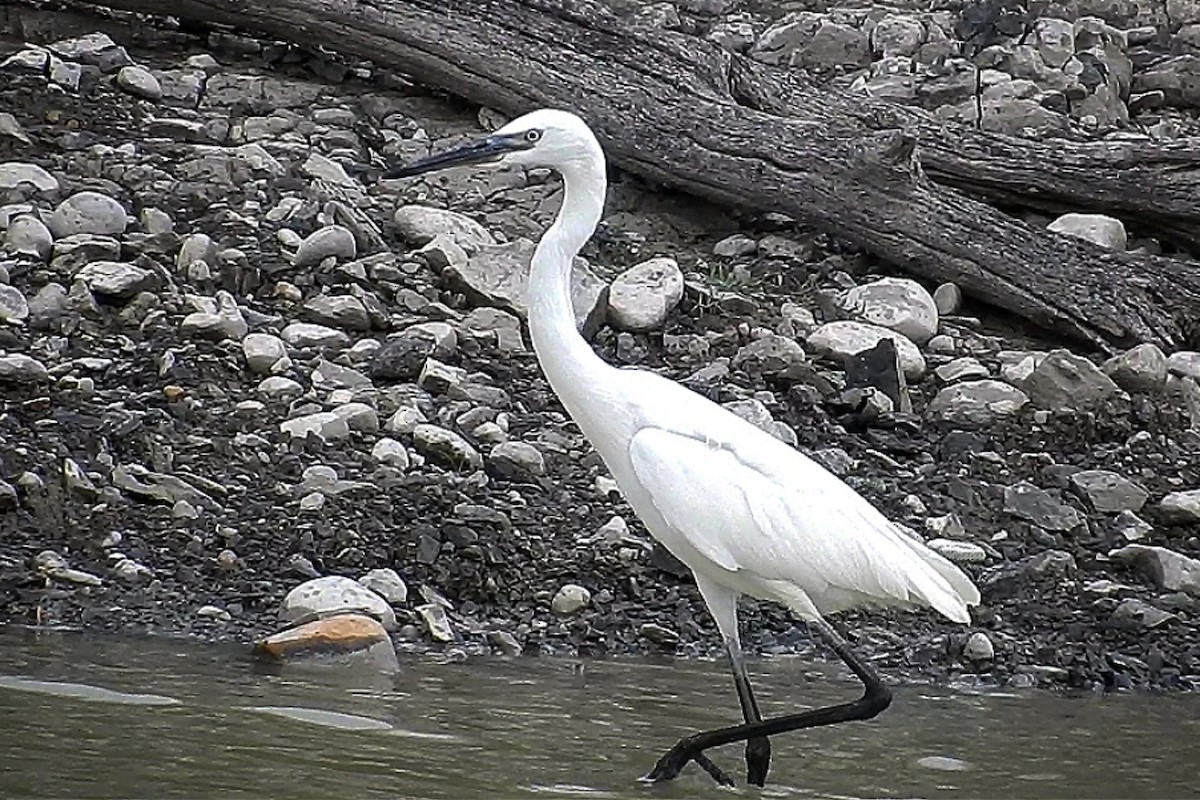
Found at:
<point>574,371</point>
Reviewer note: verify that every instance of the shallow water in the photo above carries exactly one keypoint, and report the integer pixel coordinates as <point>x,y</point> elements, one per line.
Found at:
<point>93,717</point>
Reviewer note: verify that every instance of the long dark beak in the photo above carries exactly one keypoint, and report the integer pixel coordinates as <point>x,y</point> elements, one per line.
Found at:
<point>490,148</point>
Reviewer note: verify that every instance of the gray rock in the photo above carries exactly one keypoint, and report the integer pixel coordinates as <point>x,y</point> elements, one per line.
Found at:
<point>332,595</point>
<point>279,389</point>
<point>506,643</point>
<point>570,600</point>
<point>1097,228</point>
<point>391,452</point>
<point>116,279</point>
<point>342,311</point>
<point>976,403</point>
<point>642,296</point>
<point>1169,570</point>
<point>811,40</point>
<point>387,584</point>
<point>948,299</point>
<point>517,460</point>
<point>27,235</point>
<point>1139,369</point>
<point>1185,364</point>
<point>1040,507</point>
<point>498,275</point>
<point>94,49</point>
<point>359,417</point>
<point>503,327</point>
<point>419,225</point>
<point>326,425</point>
<point>1107,492</point>
<point>1131,526</point>
<point>1181,507</point>
<point>304,335</point>
<point>140,82</point>
<point>263,351</point>
<point>436,621</point>
<point>957,551</point>
<point>1140,614</point>
<point>88,212</point>
<point>15,174</point>
<point>961,369</point>
<point>736,245</point>
<point>446,447</point>
<point>1062,380</point>
<point>846,338</point>
<point>659,634</point>
<point>1007,580</point>
<point>14,308</point>
<point>331,241</point>
<point>19,368</point>
<point>145,484</point>
<point>48,306</point>
<point>979,648</point>
<point>769,355</point>
<point>220,319</point>
<point>330,377</point>
<point>898,304</point>
<point>439,378</point>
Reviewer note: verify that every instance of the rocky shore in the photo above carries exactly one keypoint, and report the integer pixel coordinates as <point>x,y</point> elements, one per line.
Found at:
<point>232,363</point>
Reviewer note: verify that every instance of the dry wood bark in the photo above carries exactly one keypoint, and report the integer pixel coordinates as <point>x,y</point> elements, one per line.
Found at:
<point>682,111</point>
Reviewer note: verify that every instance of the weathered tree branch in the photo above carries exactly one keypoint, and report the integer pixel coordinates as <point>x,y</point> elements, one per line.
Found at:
<point>684,112</point>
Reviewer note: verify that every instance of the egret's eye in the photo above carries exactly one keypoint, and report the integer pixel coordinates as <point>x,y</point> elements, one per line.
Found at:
<point>532,135</point>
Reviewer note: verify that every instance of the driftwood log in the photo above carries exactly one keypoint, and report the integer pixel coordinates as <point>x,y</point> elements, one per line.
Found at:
<point>681,111</point>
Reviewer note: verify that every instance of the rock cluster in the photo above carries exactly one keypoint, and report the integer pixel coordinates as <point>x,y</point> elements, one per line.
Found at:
<point>243,390</point>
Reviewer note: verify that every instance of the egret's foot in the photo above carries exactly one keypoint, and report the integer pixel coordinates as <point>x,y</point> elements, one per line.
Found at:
<point>671,764</point>
<point>758,761</point>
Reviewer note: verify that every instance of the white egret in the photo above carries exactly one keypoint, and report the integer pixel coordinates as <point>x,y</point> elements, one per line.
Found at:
<point>744,511</point>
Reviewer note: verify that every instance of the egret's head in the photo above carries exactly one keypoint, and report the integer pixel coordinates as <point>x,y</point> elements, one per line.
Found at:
<point>543,138</point>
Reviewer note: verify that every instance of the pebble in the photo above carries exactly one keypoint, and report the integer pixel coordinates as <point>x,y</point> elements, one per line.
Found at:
<point>1099,229</point>
<point>1139,369</point>
<point>331,595</point>
<point>1180,508</point>
<point>642,296</point>
<point>115,279</point>
<point>418,225</point>
<point>386,583</point>
<point>305,335</point>
<point>446,447</point>
<point>1040,507</point>
<point>1107,492</point>
<point>18,368</point>
<point>570,600</point>
<point>898,304</point>
<point>948,299</point>
<point>15,174</point>
<point>976,403</point>
<point>1168,569</point>
<point>517,460</point>
<point>326,425</point>
<point>391,452</point>
<point>140,82</point>
<point>436,621</point>
<point>1061,380</point>
<point>29,236</point>
<point>846,338</point>
<point>340,311</point>
<point>265,352</point>
<point>14,308</point>
<point>88,212</point>
<point>979,648</point>
<point>331,241</point>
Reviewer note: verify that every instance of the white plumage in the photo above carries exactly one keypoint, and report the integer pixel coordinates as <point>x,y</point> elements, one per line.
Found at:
<point>744,511</point>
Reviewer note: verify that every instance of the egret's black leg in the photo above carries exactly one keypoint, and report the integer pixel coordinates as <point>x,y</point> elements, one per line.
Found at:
<point>876,697</point>
<point>758,749</point>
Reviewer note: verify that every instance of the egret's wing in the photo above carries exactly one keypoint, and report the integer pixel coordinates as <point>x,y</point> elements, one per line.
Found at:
<point>782,517</point>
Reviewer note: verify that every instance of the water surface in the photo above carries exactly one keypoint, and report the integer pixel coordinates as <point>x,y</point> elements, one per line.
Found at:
<point>86,716</point>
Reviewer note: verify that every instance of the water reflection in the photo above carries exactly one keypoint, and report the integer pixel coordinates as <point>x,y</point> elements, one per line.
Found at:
<point>101,717</point>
